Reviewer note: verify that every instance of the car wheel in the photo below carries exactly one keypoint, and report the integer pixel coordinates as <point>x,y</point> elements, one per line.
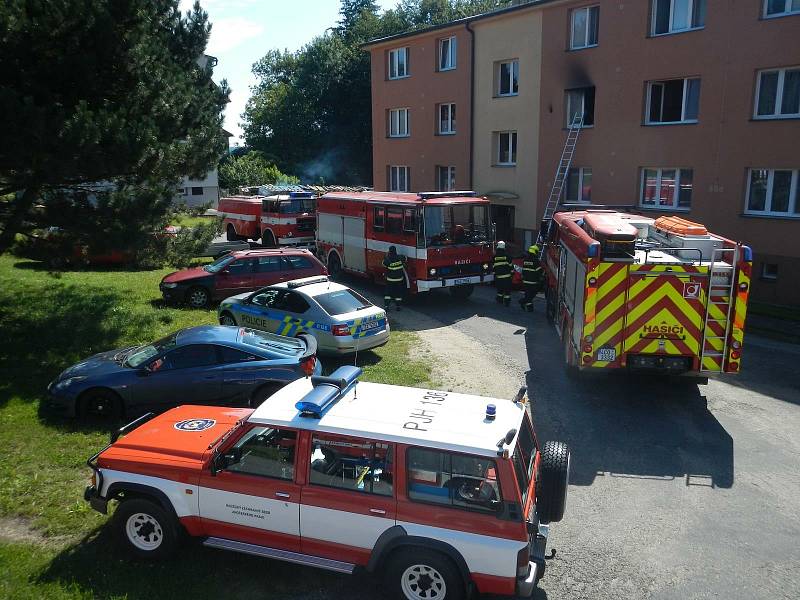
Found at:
<point>230,233</point>
<point>145,529</point>
<point>197,297</point>
<point>263,393</point>
<point>553,482</point>
<point>99,404</point>
<point>268,240</point>
<point>334,266</point>
<point>462,292</point>
<point>226,318</point>
<point>422,574</point>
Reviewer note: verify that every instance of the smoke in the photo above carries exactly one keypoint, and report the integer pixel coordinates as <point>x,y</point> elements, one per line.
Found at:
<point>323,168</point>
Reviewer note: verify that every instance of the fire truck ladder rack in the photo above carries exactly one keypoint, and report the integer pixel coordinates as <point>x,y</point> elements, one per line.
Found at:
<point>562,172</point>
<point>721,296</point>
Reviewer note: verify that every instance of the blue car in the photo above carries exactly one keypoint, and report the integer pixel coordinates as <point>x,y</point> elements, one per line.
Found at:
<point>198,365</point>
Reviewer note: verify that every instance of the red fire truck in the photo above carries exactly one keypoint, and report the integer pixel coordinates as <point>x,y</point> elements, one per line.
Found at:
<point>631,292</point>
<point>279,220</point>
<point>445,237</point>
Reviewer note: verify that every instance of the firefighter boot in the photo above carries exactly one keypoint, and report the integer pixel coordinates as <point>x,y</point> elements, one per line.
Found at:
<point>498,298</point>
<point>507,300</point>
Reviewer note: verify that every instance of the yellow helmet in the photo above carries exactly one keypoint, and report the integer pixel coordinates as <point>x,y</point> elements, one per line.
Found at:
<point>534,250</point>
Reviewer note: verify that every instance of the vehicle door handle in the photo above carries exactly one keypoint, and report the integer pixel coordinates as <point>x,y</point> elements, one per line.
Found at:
<point>282,495</point>
<point>377,511</point>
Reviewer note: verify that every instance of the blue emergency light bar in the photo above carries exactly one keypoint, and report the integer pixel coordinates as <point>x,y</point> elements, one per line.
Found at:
<point>327,391</point>
<point>301,194</point>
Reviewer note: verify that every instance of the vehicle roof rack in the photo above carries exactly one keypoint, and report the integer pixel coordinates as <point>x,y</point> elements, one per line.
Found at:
<point>454,194</point>
<point>327,391</point>
<point>309,281</point>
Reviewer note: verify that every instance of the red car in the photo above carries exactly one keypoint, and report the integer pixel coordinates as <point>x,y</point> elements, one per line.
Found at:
<point>238,272</point>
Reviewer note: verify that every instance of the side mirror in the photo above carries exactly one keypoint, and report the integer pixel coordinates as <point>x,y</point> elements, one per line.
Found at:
<point>221,461</point>
<point>154,366</point>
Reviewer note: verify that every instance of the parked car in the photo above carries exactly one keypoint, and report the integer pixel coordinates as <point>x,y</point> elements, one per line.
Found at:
<point>341,319</point>
<point>199,365</point>
<point>441,493</point>
<point>237,272</point>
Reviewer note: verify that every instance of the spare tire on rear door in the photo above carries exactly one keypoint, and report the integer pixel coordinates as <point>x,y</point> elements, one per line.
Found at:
<point>551,489</point>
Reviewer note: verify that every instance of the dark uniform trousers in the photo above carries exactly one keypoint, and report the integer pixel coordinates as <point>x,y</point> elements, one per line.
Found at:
<point>531,282</point>
<point>395,281</point>
<point>501,267</point>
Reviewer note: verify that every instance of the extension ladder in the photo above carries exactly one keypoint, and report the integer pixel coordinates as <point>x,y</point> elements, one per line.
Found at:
<point>721,296</point>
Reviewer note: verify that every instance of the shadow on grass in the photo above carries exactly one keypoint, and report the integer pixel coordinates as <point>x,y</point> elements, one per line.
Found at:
<point>97,568</point>
<point>28,264</point>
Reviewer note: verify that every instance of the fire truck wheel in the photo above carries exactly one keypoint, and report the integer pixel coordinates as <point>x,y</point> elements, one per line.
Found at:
<point>462,292</point>
<point>551,489</point>
<point>334,266</point>
<point>415,573</point>
<point>268,240</point>
<point>230,233</point>
<point>145,529</point>
<point>197,297</point>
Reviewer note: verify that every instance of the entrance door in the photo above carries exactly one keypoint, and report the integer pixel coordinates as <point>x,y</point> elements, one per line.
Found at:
<point>503,219</point>
<point>355,247</point>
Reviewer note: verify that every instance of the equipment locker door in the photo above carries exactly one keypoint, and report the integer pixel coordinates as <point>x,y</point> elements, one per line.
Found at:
<point>355,247</point>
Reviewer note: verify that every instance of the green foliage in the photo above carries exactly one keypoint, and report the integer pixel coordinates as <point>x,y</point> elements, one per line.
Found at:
<point>249,169</point>
<point>310,111</point>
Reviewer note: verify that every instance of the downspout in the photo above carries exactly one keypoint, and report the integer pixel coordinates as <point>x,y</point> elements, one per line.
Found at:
<point>471,100</point>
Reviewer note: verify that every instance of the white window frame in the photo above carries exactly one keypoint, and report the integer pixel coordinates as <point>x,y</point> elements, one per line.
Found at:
<point>399,123</point>
<point>581,172</point>
<point>588,10</point>
<point>511,92</point>
<point>787,10</point>
<point>671,13</point>
<point>452,49</point>
<point>676,198</point>
<point>406,171</point>
<point>778,98</point>
<point>451,178</point>
<point>451,122</point>
<point>683,120</point>
<point>512,136</point>
<point>394,63</point>
<point>570,113</point>
<point>768,212</point>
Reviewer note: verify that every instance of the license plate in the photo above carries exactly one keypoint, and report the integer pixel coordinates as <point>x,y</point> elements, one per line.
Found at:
<point>607,354</point>
<point>464,281</point>
<point>369,325</point>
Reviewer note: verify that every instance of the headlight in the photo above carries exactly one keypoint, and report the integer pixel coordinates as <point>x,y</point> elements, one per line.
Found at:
<point>169,286</point>
<point>65,383</point>
<point>433,271</point>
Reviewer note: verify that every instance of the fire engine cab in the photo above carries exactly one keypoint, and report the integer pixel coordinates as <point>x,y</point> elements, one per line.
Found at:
<point>446,238</point>
<point>442,493</point>
<point>630,292</point>
<point>279,220</point>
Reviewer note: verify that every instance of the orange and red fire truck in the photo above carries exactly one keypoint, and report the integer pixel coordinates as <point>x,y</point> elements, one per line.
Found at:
<point>280,220</point>
<point>631,292</point>
<point>445,237</point>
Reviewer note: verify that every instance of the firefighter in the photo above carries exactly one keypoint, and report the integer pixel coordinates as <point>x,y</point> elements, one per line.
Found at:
<point>395,278</point>
<point>501,267</point>
<point>532,276</point>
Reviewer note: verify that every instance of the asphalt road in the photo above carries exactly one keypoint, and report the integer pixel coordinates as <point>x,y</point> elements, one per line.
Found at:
<point>677,490</point>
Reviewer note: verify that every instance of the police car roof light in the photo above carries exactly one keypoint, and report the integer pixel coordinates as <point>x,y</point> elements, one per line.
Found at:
<point>310,281</point>
<point>327,391</point>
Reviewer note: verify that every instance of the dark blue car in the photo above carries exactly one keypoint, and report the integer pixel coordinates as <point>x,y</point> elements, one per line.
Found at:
<point>199,365</point>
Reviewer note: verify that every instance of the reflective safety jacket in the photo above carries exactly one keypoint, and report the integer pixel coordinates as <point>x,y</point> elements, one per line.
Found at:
<point>532,271</point>
<point>501,267</point>
<point>394,270</point>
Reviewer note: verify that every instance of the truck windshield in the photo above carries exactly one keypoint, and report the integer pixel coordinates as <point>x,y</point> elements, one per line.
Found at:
<point>456,224</point>
<point>297,206</point>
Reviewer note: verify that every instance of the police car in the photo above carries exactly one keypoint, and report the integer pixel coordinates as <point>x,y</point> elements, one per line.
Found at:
<point>341,319</point>
<point>441,493</point>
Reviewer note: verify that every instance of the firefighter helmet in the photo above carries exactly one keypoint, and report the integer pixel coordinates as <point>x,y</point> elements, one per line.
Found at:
<point>534,250</point>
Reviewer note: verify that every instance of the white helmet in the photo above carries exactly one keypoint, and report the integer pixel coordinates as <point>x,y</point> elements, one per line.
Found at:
<point>501,245</point>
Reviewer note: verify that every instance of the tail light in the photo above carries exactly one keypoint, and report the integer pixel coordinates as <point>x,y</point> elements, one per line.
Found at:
<point>735,354</point>
<point>324,270</point>
<point>523,558</point>
<point>587,349</point>
<point>736,344</point>
<point>94,479</point>
<point>308,364</point>
<point>340,330</point>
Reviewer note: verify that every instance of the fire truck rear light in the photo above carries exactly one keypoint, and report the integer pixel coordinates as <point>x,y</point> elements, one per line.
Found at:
<point>743,287</point>
<point>736,344</point>
<point>735,354</point>
<point>587,358</point>
<point>587,349</point>
<point>593,281</point>
<point>308,364</point>
<point>733,366</point>
<point>588,339</point>
<point>340,330</point>
<point>594,250</point>
<point>523,557</point>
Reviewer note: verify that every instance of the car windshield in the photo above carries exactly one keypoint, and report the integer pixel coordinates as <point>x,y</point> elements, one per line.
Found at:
<point>219,264</point>
<point>342,301</point>
<point>142,354</point>
<point>297,205</point>
<point>456,224</point>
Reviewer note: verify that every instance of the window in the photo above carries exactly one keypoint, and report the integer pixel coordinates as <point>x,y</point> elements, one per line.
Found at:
<point>773,192</point>
<point>579,185</point>
<point>240,267</point>
<point>266,298</point>
<point>351,464</point>
<point>580,101</point>
<point>457,480</point>
<point>394,220</point>
<point>342,301</point>
<point>506,148</point>
<point>269,264</point>
<point>409,220</point>
<point>264,451</point>
<point>508,78</point>
<point>781,8</point>
<point>447,54</point>
<point>446,178</point>
<point>187,357</point>
<point>183,191</point>
<point>398,122</point>
<point>232,355</point>
<point>291,302</point>
<point>769,271</point>
<point>673,101</point>
<point>447,119</point>
<point>398,63</point>
<point>399,179</point>
<point>197,191</point>
<point>674,16</point>
<point>584,27</point>
<point>298,262</point>
<point>666,189</point>
<point>778,94</point>
<point>378,218</point>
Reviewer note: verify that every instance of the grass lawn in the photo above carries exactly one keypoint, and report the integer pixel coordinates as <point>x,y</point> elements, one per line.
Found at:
<point>49,321</point>
<point>187,220</point>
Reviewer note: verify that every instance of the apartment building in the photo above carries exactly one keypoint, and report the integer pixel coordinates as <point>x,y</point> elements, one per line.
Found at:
<point>690,107</point>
